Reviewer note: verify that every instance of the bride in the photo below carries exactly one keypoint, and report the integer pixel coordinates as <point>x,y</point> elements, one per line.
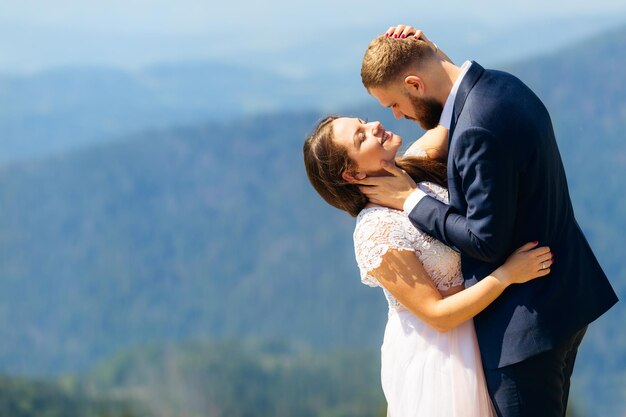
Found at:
<point>431,364</point>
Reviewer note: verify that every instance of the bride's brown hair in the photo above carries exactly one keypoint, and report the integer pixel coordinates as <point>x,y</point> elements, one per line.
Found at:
<point>325,161</point>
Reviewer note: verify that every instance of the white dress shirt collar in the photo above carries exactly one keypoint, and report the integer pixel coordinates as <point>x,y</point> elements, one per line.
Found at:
<point>446,114</point>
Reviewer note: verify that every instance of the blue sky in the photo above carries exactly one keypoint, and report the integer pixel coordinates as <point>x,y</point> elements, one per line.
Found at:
<point>36,35</point>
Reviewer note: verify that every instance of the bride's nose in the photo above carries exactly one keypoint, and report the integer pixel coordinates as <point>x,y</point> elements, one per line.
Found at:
<point>376,127</point>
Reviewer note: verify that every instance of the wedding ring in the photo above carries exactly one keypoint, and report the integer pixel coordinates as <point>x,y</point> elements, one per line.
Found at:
<point>543,265</point>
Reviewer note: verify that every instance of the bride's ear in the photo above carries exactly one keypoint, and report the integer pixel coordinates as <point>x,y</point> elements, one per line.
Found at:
<point>353,176</point>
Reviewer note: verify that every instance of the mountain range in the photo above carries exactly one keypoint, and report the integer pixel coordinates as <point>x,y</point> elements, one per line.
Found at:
<point>59,110</point>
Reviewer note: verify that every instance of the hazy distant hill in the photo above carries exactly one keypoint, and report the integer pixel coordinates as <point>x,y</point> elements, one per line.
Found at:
<point>53,111</point>
<point>212,231</point>
<point>58,110</point>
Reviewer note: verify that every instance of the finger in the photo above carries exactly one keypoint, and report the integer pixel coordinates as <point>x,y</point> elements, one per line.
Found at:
<point>373,197</point>
<point>537,252</point>
<point>390,31</point>
<point>367,192</point>
<point>543,272</point>
<point>528,246</point>
<point>547,257</point>
<point>398,31</point>
<point>544,264</point>
<point>421,36</point>
<point>393,169</point>
<point>408,31</point>
<point>368,189</point>
<point>368,181</point>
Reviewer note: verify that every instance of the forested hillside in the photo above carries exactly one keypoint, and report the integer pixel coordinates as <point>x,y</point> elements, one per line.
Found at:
<point>234,379</point>
<point>20,397</point>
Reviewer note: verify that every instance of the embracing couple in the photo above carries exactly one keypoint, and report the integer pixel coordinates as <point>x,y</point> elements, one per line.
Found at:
<point>474,221</point>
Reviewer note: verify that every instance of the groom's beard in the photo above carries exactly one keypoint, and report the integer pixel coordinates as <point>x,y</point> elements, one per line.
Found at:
<point>427,112</point>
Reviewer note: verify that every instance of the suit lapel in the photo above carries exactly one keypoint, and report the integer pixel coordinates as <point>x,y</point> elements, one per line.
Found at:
<point>473,74</point>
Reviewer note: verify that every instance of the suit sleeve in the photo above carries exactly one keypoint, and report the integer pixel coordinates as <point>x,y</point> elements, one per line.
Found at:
<point>489,181</point>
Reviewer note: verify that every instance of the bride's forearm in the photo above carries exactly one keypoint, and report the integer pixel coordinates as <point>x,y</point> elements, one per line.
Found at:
<point>458,308</point>
<point>404,276</point>
<point>434,142</point>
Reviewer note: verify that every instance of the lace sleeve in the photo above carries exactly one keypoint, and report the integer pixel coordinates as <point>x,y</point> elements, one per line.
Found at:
<point>434,190</point>
<point>415,150</point>
<point>378,230</point>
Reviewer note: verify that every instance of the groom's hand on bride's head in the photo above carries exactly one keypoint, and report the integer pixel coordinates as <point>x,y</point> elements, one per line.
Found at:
<point>389,191</point>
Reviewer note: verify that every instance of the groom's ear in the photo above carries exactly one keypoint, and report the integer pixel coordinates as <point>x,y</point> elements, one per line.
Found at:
<point>414,84</point>
<point>353,176</point>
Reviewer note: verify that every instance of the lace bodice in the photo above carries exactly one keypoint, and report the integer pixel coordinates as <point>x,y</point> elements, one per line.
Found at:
<point>379,229</point>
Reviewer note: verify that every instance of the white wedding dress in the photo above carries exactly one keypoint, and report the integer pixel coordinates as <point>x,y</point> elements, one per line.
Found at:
<point>424,373</point>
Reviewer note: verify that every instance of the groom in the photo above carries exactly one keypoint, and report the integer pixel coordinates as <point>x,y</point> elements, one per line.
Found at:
<point>507,187</point>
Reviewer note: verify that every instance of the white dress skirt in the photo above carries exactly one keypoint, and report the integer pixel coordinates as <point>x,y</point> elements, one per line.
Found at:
<point>425,373</point>
<point>432,374</point>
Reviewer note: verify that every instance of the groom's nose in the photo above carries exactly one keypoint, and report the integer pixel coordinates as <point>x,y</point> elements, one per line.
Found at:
<point>397,113</point>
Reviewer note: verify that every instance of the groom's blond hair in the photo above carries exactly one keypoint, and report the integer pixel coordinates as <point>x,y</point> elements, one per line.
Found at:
<point>386,59</point>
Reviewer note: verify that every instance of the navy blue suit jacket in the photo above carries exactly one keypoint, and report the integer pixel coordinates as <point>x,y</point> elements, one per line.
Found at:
<point>507,187</point>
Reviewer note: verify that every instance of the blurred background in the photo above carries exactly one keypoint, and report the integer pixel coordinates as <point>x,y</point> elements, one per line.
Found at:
<point>161,251</point>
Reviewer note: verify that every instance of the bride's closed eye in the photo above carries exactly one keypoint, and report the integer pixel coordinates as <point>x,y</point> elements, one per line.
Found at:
<point>361,133</point>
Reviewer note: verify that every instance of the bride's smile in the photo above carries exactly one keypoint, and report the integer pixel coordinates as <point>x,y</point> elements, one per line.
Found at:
<point>367,143</point>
